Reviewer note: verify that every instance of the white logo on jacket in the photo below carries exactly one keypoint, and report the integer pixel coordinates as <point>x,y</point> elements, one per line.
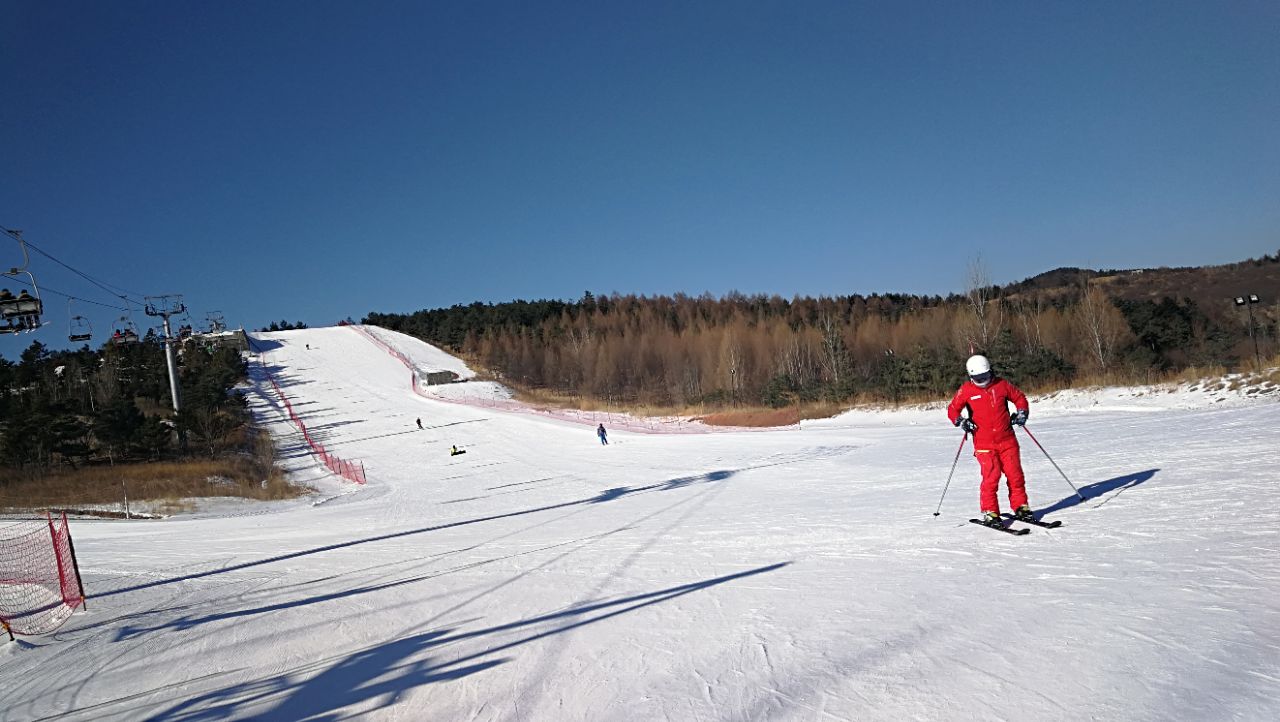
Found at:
<point>975,398</point>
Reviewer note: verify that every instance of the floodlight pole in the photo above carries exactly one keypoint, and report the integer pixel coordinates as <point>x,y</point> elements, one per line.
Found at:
<point>164,308</point>
<point>1247,301</point>
<point>893,374</point>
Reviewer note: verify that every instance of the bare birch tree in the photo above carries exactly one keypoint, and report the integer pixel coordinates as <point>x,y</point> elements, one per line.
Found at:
<point>731,364</point>
<point>835,353</point>
<point>986,308</point>
<point>1101,325</point>
<point>1029,320</point>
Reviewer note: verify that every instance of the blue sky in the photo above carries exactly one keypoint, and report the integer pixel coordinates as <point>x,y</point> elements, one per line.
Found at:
<point>316,160</point>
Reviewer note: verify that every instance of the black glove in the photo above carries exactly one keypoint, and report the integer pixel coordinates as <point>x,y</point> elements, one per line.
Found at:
<point>966,424</point>
<point>1020,418</point>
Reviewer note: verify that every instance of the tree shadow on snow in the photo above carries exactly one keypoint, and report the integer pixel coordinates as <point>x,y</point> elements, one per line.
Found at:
<point>262,345</point>
<point>132,631</point>
<point>525,483</point>
<point>411,430</point>
<point>312,418</point>
<point>604,496</point>
<point>319,430</point>
<point>380,673</point>
<point>383,436</point>
<point>284,379</point>
<point>377,677</point>
<point>1119,484</point>
<point>134,625</point>
<point>618,492</point>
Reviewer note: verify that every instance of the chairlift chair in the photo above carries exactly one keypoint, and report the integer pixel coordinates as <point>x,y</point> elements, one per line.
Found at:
<point>186,328</point>
<point>123,331</point>
<point>23,311</point>
<point>78,328</point>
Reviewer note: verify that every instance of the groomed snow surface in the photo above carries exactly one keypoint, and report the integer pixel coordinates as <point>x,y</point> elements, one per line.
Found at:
<point>791,575</point>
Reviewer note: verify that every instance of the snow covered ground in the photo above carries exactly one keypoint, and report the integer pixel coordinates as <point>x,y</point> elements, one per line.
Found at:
<point>795,574</point>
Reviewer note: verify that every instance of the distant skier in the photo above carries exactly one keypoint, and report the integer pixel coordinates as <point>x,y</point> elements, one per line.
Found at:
<point>419,423</point>
<point>455,451</point>
<point>604,435</point>
<point>994,445</point>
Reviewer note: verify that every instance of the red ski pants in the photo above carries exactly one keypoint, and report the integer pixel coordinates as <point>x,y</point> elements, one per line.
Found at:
<point>1001,458</point>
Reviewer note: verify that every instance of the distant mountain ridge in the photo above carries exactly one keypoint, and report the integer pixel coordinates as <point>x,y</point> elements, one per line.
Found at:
<point>1208,286</point>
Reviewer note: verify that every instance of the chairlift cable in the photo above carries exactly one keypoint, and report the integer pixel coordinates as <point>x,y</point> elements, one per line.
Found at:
<point>46,289</point>
<point>113,290</point>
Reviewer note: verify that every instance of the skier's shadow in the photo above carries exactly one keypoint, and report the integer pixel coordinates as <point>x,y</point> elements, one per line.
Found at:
<point>1099,488</point>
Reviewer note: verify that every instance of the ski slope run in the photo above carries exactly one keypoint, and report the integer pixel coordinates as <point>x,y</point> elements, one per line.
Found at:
<point>790,575</point>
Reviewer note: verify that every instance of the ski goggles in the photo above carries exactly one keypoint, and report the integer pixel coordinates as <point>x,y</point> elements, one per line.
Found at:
<point>983,378</point>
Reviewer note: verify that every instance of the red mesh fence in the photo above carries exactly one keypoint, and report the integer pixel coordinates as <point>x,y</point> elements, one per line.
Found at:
<point>413,371</point>
<point>39,584</point>
<point>348,469</point>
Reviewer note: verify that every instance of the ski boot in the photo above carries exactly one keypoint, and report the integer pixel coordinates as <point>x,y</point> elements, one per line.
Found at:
<point>1024,513</point>
<point>992,518</point>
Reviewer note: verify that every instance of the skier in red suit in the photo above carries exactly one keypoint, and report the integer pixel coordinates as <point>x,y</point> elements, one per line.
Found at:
<point>994,446</point>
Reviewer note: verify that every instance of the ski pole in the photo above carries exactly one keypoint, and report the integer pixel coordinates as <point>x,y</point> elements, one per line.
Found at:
<point>1051,461</point>
<point>952,473</point>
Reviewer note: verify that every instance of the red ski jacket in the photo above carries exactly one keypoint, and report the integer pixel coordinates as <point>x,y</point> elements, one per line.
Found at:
<point>989,409</point>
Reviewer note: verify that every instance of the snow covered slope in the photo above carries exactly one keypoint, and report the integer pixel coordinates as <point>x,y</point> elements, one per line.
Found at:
<point>787,575</point>
<point>424,356</point>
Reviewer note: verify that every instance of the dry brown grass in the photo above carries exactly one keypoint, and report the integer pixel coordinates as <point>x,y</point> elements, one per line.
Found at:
<point>1195,374</point>
<point>552,399</point>
<point>1190,375</point>
<point>1208,378</point>
<point>789,416</point>
<point>715,415</point>
<point>822,410</point>
<point>763,416</point>
<point>251,476</point>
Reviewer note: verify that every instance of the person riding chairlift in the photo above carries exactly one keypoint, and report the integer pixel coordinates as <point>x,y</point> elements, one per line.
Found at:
<point>26,320</point>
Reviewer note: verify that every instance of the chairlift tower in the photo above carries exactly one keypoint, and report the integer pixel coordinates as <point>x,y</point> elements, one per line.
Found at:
<point>164,307</point>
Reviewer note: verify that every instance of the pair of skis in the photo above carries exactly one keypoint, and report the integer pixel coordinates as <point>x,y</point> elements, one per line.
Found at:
<point>1018,531</point>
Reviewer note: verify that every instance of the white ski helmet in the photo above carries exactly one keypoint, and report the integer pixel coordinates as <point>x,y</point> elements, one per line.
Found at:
<point>979,369</point>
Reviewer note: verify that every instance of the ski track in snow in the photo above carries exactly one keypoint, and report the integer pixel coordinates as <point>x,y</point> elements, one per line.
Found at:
<point>789,575</point>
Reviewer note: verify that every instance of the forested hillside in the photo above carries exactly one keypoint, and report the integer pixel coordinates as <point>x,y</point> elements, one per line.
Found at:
<point>68,409</point>
<point>753,349</point>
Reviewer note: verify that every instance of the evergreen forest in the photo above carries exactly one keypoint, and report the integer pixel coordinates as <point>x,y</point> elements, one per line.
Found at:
<point>72,408</point>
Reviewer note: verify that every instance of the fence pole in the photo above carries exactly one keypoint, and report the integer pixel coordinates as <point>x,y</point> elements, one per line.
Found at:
<point>57,555</point>
<point>75,563</point>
